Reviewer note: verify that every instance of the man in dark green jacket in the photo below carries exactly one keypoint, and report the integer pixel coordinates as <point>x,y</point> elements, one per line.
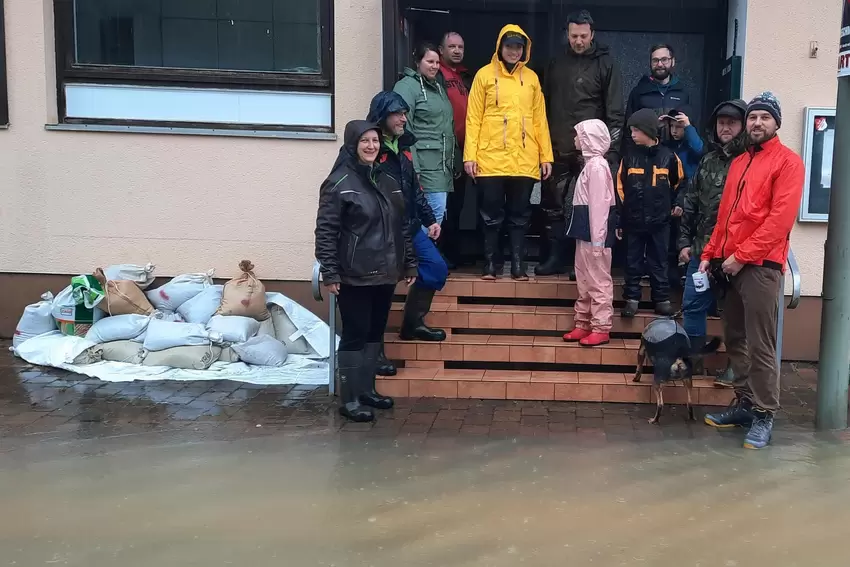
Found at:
<point>702,202</point>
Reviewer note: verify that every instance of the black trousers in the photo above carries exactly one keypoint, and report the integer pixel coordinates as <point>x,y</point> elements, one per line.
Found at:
<point>499,197</point>
<point>555,198</point>
<point>652,244</point>
<point>364,311</point>
<point>449,243</point>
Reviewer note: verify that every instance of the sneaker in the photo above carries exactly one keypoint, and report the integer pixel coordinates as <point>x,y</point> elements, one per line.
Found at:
<point>575,335</point>
<point>595,339</point>
<point>760,432</point>
<point>630,310</point>
<point>664,308</point>
<point>738,414</point>
<point>725,379</point>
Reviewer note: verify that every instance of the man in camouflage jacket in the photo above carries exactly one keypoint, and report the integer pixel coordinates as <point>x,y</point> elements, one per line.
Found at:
<point>701,204</point>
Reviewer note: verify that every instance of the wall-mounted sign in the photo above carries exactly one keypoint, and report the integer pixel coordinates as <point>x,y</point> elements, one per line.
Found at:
<point>844,46</point>
<point>818,144</point>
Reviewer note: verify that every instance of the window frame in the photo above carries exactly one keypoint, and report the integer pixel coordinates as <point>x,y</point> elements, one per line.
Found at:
<point>69,72</point>
<point>4,88</point>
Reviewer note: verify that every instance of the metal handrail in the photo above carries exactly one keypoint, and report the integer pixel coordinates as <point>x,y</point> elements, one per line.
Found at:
<point>796,289</point>
<point>317,295</point>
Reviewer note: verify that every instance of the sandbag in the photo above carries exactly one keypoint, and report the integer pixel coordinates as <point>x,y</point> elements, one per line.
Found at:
<point>233,328</point>
<point>91,355</point>
<point>285,329</point>
<point>262,351</point>
<point>267,328</point>
<point>74,310</point>
<point>36,320</point>
<point>123,297</point>
<point>245,295</point>
<point>162,335</point>
<point>179,290</point>
<point>186,357</point>
<point>203,306</point>
<point>171,316</point>
<point>130,352</point>
<point>118,328</point>
<point>142,276</point>
<point>228,355</point>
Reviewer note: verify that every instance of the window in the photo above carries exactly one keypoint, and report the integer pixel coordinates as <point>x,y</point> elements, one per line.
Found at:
<point>4,93</point>
<point>233,63</point>
<point>818,144</point>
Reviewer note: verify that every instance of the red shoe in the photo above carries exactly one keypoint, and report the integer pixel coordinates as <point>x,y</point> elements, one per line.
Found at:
<point>595,339</point>
<point>576,335</point>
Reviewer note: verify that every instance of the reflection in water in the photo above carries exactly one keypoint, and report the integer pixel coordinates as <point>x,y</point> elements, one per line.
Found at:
<point>348,501</point>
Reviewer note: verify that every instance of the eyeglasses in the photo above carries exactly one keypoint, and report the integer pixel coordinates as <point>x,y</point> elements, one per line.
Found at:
<point>662,60</point>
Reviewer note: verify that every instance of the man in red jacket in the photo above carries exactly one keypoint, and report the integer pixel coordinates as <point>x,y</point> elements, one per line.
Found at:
<point>751,238</point>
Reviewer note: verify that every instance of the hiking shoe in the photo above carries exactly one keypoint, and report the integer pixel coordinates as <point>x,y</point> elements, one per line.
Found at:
<point>575,335</point>
<point>738,414</point>
<point>664,308</point>
<point>595,339</point>
<point>760,432</point>
<point>725,379</point>
<point>630,310</point>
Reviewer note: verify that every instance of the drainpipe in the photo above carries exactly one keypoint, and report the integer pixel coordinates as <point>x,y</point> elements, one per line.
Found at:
<point>834,370</point>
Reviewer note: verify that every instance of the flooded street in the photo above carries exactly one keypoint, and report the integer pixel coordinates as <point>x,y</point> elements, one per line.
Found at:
<point>170,499</point>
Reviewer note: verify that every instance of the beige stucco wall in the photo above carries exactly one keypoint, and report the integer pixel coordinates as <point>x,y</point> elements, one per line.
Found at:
<point>72,201</point>
<point>777,59</point>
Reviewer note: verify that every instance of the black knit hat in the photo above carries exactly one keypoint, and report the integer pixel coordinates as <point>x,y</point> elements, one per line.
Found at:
<point>646,121</point>
<point>767,101</point>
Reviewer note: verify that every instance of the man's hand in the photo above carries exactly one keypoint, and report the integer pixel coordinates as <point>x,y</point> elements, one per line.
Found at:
<point>434,231</point>
<point>410,281</point>
<point>685,255</point>
<point>546,169</point>
<point>704,265</point>
<point>471,168</point>
<point>619,233</point>
<point>732,266</point>
<point>333,288</point>
<point>677,211</point>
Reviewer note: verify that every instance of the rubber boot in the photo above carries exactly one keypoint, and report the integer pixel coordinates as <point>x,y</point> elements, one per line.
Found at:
<point>595,339</point>
<point>576,335</point>
<point>413,327</point>
<point>518,271</point>
<point>369,396</point>
<point>385,367</point>
<point>491,254</point>
<point>350,381</point>
<point>554,264</point>
<point>630,309</point>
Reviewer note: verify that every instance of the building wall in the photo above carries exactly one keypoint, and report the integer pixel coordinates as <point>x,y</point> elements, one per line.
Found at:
<point>777,59</point>
<point>73,201</point>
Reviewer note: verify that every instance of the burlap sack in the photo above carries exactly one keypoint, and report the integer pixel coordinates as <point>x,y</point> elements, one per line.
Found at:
<point>245,295</point>
<point>186,357</point>
<point>123,297</point>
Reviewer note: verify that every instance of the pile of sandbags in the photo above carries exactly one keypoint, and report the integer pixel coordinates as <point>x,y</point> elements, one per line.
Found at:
<point>189,322</point>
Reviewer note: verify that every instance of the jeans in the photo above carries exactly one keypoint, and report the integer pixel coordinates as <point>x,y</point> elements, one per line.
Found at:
<point>364,311</point>
<point>432,272</point>
<point>437,201</point>
<point>695,306</point>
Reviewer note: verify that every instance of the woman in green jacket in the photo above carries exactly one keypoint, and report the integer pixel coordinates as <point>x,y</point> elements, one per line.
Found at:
<point>431,121</point>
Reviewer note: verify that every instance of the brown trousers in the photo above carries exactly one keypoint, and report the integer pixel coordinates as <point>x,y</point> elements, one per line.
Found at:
<point>749,325</point>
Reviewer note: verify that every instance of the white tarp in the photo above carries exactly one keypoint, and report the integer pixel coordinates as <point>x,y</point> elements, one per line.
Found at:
<point>59,351</point>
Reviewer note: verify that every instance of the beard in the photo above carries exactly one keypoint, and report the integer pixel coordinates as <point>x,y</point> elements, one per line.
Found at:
<point>660,74</point>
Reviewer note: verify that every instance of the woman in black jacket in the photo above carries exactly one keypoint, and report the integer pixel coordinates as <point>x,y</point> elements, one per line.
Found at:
<point>364,247</point>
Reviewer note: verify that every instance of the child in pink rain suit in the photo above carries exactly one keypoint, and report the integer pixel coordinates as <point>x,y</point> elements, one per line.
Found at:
<point>593,225</point>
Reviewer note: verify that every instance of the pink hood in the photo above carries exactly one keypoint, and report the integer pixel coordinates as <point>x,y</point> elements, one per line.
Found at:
<point>593,138</point>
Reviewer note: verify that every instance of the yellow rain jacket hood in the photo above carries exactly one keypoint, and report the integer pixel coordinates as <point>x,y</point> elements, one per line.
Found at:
<point>506,129</point>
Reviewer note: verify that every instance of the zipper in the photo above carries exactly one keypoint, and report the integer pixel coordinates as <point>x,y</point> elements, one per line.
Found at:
<point>741,185</point>
<point>496,79</point>
<point>505,131</point>
<point>523,132</point>
<point>353,249</point>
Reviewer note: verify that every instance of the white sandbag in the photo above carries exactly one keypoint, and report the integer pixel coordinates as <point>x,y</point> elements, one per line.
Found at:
<point>179,290</point>
<point>91,355</point>
<point>203,306</point>
<point>171,316</point>
<point>142,276</point>
<point>36,320</point>
<point>267,328</point>
<point>186,357</point>
<point>165,334</point>
<point>234,328</point>
<point>286,332</point>
<point>118,328</point>
<point>262,351</point>
<point>130,352</point>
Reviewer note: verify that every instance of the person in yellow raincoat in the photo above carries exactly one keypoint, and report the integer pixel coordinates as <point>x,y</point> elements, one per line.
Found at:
<point>507,145</point>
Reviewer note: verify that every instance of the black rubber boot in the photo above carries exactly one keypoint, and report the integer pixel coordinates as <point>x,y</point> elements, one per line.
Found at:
<point>518,271</point>
<point>369,396</point>
<point>630,309</point>
<point>413,327</point>
<point>554,264</point>
<point>350,381</point>
<point>384,366</point>
<point>492,257</point>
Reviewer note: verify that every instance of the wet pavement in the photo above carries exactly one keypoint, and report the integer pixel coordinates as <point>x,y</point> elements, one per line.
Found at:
<point>222,473</point>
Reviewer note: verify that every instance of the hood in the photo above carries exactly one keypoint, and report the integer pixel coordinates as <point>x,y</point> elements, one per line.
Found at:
<point>385,103</point>
<point>435,84</point>
<point>353,131</point>
<point>526,55</point>
<point>593,138</point>
<point>712,123</point>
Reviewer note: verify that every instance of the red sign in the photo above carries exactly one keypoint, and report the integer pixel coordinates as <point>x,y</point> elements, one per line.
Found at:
<point>844,46</point>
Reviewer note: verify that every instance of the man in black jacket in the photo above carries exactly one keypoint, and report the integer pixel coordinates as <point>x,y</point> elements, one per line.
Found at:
<point>581,83</point>
<point>389,110</point>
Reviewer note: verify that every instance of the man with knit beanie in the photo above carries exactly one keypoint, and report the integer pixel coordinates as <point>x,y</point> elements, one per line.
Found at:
<point>647,182</point>
<point>749,248</point>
